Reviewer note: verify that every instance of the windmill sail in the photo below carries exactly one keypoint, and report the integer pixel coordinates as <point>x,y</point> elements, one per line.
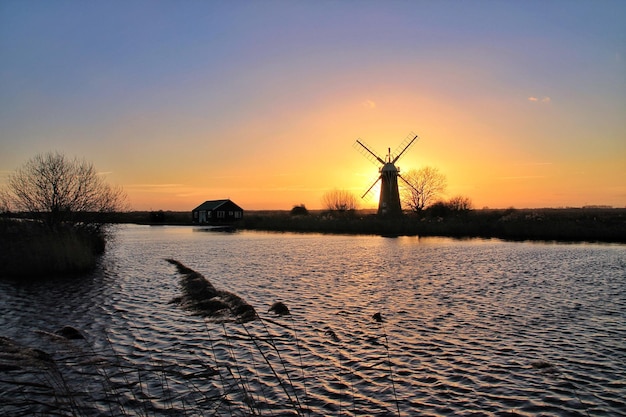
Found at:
<point>404,146</point>
<point>365,150</point>
<point>371,187</point>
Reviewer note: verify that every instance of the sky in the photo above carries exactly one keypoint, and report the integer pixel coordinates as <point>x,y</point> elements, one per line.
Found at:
<point>518,103</point>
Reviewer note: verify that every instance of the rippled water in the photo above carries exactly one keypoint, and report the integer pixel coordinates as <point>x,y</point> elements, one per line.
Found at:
<point>473,327</point>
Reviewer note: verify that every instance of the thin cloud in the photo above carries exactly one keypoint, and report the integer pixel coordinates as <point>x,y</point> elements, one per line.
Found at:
<point>369,104</point>
<point>544,99</point>
<point>191,194</point>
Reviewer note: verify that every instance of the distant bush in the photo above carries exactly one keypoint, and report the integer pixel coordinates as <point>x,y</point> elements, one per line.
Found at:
<point>454,206</point>
<point>300,210</point>
<point>438,209</point>
<point>157,216</point>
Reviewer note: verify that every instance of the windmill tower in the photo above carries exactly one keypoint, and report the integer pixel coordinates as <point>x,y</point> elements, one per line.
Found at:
<point>389,200</point>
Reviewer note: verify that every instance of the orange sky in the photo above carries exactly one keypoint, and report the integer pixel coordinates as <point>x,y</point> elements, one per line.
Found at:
<point>517,104</point>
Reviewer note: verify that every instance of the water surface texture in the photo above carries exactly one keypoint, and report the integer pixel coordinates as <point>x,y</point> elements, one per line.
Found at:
<point>469,327</point>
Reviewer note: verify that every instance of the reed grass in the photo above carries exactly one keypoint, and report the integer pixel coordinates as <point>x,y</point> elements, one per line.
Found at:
<point>29,249</point>
<point>389,363</point>
<point>286,386</point>
<point>68,380</point>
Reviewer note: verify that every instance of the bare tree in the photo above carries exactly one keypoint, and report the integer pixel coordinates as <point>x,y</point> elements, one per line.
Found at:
<point>460,203</point>
<point>426,184</point>
<point>57,189</point>
<point>4,202</point>
<point>339,200</point>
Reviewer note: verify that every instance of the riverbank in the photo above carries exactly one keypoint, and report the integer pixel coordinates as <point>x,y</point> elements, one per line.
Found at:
<point>556,225</point>
<point>28,249</point>
<point>568,224</point>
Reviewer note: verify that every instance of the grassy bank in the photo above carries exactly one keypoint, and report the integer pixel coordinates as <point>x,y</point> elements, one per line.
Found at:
<point>593,225</point>
<point>28,249</point>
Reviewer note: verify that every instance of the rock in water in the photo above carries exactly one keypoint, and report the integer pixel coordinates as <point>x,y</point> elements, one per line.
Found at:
<point>377,317</point>
<point>279,308</point>
<point>70,333</point>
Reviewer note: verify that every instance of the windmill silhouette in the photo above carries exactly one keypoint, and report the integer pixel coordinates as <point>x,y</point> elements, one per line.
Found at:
<point>389,200</point>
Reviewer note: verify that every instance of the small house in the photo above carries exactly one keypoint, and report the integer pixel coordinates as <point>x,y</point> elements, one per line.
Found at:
<point>216,211</point>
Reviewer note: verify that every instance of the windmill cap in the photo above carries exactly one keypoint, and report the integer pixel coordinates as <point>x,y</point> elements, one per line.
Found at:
<point>388,167</point>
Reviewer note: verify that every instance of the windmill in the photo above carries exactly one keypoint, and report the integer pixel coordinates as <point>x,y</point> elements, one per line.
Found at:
<point>389,200</point>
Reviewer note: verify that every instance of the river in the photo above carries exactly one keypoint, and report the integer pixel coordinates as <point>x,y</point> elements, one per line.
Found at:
<point>469,327</point>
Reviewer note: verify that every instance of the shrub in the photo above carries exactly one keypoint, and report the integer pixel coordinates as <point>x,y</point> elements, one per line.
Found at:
<point>300,210</point>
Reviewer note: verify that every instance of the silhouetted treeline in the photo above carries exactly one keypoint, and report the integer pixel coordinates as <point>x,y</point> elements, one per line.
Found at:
<point>570,224</point>
<point>153,217</point>
<point>601,225</point>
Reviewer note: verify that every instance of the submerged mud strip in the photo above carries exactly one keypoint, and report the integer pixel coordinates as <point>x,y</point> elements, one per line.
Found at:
<point>14,356</point>
<point>203,299</point>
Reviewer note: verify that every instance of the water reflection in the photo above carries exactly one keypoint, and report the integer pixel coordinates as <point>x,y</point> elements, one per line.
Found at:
<point>465,324</point>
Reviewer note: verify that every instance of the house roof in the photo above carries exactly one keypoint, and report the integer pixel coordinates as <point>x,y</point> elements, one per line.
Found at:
<point>214,205</point>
